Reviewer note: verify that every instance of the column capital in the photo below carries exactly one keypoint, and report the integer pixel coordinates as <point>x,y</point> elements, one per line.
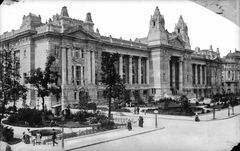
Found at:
<point>130,56</point>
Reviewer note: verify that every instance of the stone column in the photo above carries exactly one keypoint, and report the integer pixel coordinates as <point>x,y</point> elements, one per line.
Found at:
<point>205,72</point>
<point>121,66</point>
<point>196,74</point>
<point>147,71</point>
<point>201,81</point>
<point>180,74</point>
<point>69,65</point>
<point>139,70</point>
<point>93,66</point>
<point>130,69</point>
<point>81,75</point>
<point>169,70</point>
<point>77,95</point>
<point>88,67</point>
<point>173,74</point>
<point>64,69</point>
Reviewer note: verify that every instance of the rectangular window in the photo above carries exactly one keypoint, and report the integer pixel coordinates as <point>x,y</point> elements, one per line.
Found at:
<point>78,75</point>
<point>25,53</point>
<point>73,74</point>
<point>82,53</point>
<point>75,95</point>
<point>77,54</point>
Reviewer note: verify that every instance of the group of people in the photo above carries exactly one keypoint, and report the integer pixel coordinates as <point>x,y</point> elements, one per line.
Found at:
<point>29,137</point>
<point>136,110</point>
<point>140,123</point>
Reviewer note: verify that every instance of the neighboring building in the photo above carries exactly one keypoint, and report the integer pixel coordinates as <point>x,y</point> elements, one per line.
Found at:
<point>231,72</point>
<point>157,65</point>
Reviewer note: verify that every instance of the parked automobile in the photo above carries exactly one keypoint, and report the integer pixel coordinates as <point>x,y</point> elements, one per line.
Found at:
<point>193,100</point>
<point>205,101</point>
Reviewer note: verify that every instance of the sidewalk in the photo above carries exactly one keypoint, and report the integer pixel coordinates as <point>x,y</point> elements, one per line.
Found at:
<point>85,141</point>
<point>103,137</point>
<point>219,115</point>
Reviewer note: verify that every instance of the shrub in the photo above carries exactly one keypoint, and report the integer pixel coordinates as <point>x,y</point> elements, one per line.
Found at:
<point>82,116</point>
<point>92,106</point>
<point>13,118</point>
<point>6,133</point>
<point>31,116</point>
<point>106,124</point>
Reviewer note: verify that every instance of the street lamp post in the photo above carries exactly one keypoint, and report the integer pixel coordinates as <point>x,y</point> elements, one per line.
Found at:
<point>228,109</point>
<point>232,105</point>
<point>63,118</point>
<point>213,107</point>
<point>155,112</point>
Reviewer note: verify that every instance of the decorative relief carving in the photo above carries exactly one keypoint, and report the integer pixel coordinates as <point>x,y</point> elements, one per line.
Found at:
<point>176,43</point>
<point>164,53</point>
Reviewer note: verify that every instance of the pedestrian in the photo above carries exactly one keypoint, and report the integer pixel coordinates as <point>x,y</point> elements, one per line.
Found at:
<point>27,137</point>
<point>196,118</point>
<point>135,110</point>
<point>54,137</point>
<point>38,138</point>
<point>24,137</point>
<point>138,110</point>
<point>140,121</point>
<point>31,137</point>
<point>129,125</point>
<point>8,148</point>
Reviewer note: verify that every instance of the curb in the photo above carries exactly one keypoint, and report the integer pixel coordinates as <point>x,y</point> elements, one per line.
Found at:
<point>110,140</point>
<point>88,135</point>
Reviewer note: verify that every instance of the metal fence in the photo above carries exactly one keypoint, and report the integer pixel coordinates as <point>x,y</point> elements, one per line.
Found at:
<point>119,123</point>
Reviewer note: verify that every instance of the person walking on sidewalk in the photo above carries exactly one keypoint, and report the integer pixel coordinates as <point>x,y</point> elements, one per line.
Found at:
<point>138,109</point>
<point>140,121</point>
<point>129,125</point>
<point>38,138</point>
<point>30,137</point>
<point>196,118</point>
<point>54,136</point>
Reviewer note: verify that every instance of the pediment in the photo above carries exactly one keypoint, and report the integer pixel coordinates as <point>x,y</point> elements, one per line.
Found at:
<point>80,33</point>
<point>177,42</point>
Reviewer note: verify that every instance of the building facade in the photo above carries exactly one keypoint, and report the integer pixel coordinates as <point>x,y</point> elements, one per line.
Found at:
<point>231,72</point>
<point>158,65</point>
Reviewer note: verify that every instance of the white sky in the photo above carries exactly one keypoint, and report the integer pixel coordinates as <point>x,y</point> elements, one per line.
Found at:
<point>130,19</point>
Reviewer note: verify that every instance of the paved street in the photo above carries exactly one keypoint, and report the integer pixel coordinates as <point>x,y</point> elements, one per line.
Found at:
<point>173,133</point>
<point>181,136</point>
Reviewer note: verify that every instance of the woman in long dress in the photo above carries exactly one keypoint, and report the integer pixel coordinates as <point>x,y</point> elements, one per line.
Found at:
<point>38,138</point>
<point>129,125</point>
<point>140,121</point>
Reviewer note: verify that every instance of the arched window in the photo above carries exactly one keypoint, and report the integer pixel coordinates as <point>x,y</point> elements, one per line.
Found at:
<point>154,23</point>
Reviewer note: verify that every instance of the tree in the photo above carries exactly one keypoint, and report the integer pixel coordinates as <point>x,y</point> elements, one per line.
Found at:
<point>46,82</point>
<point>10,87</point>
<point>137,97</point>
<point>84,98</point>
<point>111,79</point>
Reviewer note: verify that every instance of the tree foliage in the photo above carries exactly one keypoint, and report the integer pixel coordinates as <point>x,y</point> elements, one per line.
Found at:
<point>137,97</point>
<point>46,82</point>
<point>84,98</point>
<point>111,79</point>
<point>10,87</point>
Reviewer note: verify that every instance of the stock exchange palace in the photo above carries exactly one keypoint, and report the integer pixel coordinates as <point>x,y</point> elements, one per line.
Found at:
<point>159,65</point>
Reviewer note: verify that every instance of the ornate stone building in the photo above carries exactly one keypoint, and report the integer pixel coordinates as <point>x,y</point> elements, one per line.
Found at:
<point>231,72</point>
<point>157,65</point>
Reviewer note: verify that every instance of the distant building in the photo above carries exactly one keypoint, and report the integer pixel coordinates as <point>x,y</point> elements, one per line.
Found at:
<point>231,72</point>
<point>158,65</point>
